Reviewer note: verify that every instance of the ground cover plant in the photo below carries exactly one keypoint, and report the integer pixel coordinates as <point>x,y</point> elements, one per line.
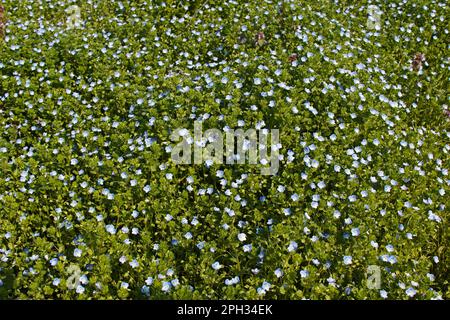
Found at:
<point>92,205</point>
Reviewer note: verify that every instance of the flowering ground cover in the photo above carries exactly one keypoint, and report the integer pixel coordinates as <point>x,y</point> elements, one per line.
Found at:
<point>92,205</point>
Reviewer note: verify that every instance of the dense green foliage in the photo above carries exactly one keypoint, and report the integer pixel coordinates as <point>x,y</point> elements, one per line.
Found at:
<point>89,194</point>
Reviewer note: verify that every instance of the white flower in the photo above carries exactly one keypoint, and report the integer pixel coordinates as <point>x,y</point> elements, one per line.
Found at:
<point>383,294</point>
<point>147,189</point>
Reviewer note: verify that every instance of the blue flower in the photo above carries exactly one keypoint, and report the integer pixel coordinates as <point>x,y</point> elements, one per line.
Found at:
<point>80,289</point>
<point>149,281</point>
<point>110,228</point>
<point>304,273</point>
<point>145,290</point>
<point>53,262</point>
<point>166,286</point>
<point>292,246</point>
<point>216,265</point>
<point>410,292</point>
<point>77,252</point>
<point>278,273</point>
<point>347,260</point>
<point>134,263</point>
<point>242,237</point>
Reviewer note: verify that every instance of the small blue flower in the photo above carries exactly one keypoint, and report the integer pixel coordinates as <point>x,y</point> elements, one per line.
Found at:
<point>410,292</point>
<point>110,228</point>
<point>53,262</point>
<point>56,281</point>
<point>292,246</point>
<point>145,290</point>
<point>149,281</point>
<point>347,260</point>
<point>166,286</point>
<point>80,289</point>
<point>77,252</point>
<point>278,273</point>
<point>134,263</point>
<point>304,273</point>
<point>216,265</point>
